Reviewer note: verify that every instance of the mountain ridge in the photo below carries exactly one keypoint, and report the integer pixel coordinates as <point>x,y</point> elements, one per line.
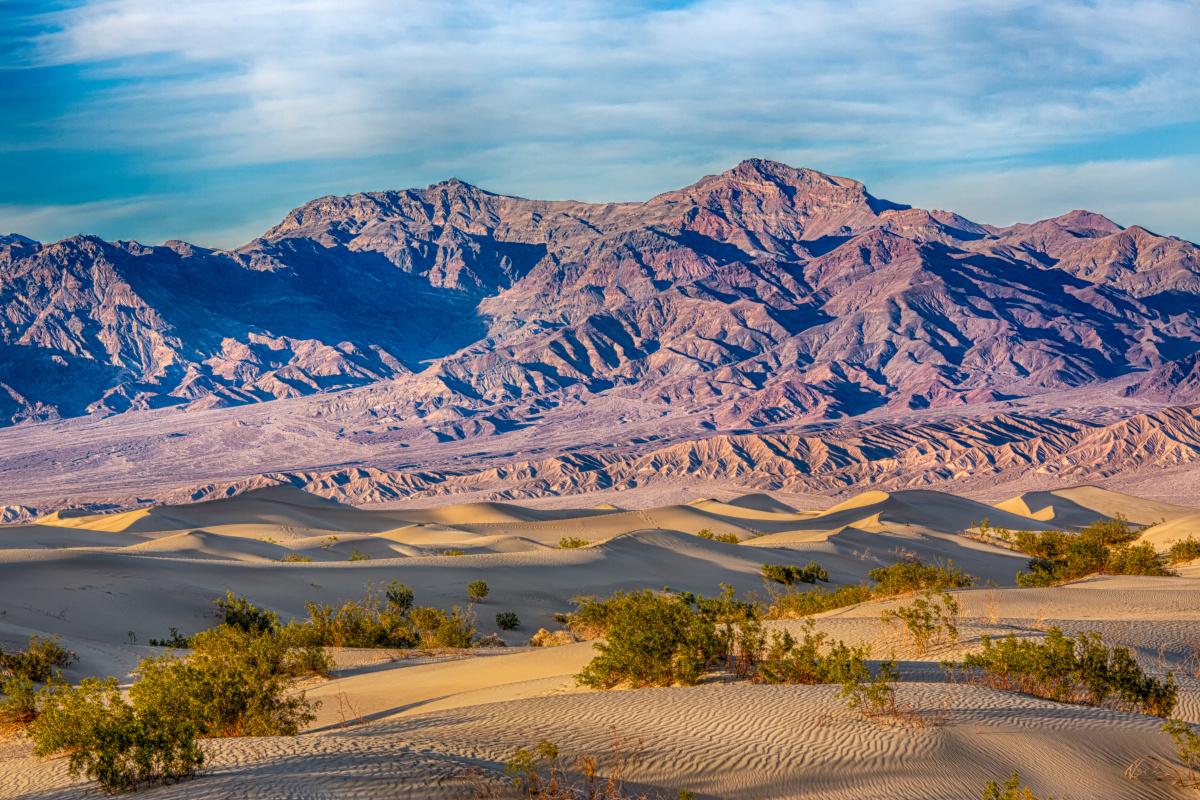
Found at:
<point>762,297</point>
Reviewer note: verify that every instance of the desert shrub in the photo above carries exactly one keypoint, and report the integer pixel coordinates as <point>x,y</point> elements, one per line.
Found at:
<point>240,613</point>
<point>37,662</point>
<point>378,620</point>
<point>400,597</point>
<point>1102,547</point>
<point>1010,790</point>
<point>929,619</point>
<point>727,538</point>
<point>356,555</point>
<point>790,574</point>
<point>175,639</point>
<point>1187,742</point>
<point>296,558</point>
<point>546,638</point>
<point>1072,670</point>
<point>544,774</point>
<point>507,621</point>
<point>571,543</point>
<point>454,552</point>
<point>651,639</point>
<point>477,590</point>
<point>234,683</point>
<point>18,701</point>
<point>1135,559</point>
<point>912,575</point>
<point>120,744</point>
<point>792,605</point>
<point>436,628</point>
<point>1184,550</point>
<point>813,659</point>
<point>872,695</point>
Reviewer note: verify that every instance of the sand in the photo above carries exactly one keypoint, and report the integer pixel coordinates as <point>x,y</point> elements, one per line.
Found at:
<point>395,725</point>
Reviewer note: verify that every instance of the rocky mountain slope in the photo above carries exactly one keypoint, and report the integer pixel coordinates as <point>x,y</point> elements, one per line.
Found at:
<point>744,305</point>
<point>762,294</point>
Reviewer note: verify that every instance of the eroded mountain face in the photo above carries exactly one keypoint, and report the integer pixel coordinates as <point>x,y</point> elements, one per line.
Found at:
<point>760,296</point>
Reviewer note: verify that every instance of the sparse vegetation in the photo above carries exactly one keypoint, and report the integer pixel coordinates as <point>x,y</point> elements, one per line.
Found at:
<point>789,575</point>
<point>543,773</point>
<point>1072,670</point>
<point>727,538</point>
<point>37,662</point>
<point>1184,550</point>
<point>571,543</point>
<point>18,704</point>
<point>175,639</point>
<point>118,743</point>
<point>912,575</point>
<point>296,558</point>
<point>454,552</point>
<point>240,613</point>
<point>1012,789</point>
<point>1105,546</point>
<point>355,555</point>
<point>929,619</point>
<point>907,576</point>
<point>381,619</point>
<point>651,639</point>
<point>507,621</point>
<point>477,591</point>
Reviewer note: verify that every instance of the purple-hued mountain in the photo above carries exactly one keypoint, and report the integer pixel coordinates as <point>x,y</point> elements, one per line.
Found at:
<point>757,296</point>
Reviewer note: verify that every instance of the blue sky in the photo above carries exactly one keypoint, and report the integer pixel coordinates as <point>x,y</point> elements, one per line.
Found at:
<point>208,120</point>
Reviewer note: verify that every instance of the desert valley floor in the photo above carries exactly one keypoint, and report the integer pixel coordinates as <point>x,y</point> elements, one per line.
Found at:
<point>405,724</point>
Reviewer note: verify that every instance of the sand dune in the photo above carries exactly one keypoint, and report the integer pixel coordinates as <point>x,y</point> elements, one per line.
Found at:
<point>1077,506</point>
<point>415,727</point>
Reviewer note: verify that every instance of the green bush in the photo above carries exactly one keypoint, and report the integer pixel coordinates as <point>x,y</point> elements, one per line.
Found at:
<point>240,613</point>
<point>1184,550</point>
<point>438,629</point>
<point>120,744</point>
<point>296,558</point>
<point>176,640</point>
<point>789,574</point>
<point>811,660</point>
<point>651,639</point>
<point>815,600</point>
<point>727,538</point>
<point>454,552</point>
<point>375,621</point>
<point>929,619</point>
<point>1011,790</point>
<point>37,661</point>
<point>1072,670</point>
<point>1187,742</point>
<point>477,590</point>
<point>912,575</point>
<point>1104,547</point>
<point>507,621</point>
<point>571,543</point>
<point>234,683</point>
<point>355,555</point>
<point>18,704</point>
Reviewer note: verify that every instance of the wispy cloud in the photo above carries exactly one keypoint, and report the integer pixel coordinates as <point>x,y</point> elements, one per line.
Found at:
<point>614,100</point>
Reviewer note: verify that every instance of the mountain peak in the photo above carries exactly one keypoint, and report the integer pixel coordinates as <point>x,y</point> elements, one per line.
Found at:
<point>1082,219</point>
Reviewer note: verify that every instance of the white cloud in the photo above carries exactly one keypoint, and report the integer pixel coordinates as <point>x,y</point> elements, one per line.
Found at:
<point>280,80</point>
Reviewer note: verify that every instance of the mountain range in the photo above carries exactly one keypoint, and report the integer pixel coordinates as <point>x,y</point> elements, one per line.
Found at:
<point>766,300</point>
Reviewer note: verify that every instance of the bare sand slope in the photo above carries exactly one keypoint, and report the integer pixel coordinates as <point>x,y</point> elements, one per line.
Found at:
<point>1077,506</point>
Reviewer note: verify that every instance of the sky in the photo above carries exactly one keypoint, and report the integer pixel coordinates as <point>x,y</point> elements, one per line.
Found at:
<point>208,120</point>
